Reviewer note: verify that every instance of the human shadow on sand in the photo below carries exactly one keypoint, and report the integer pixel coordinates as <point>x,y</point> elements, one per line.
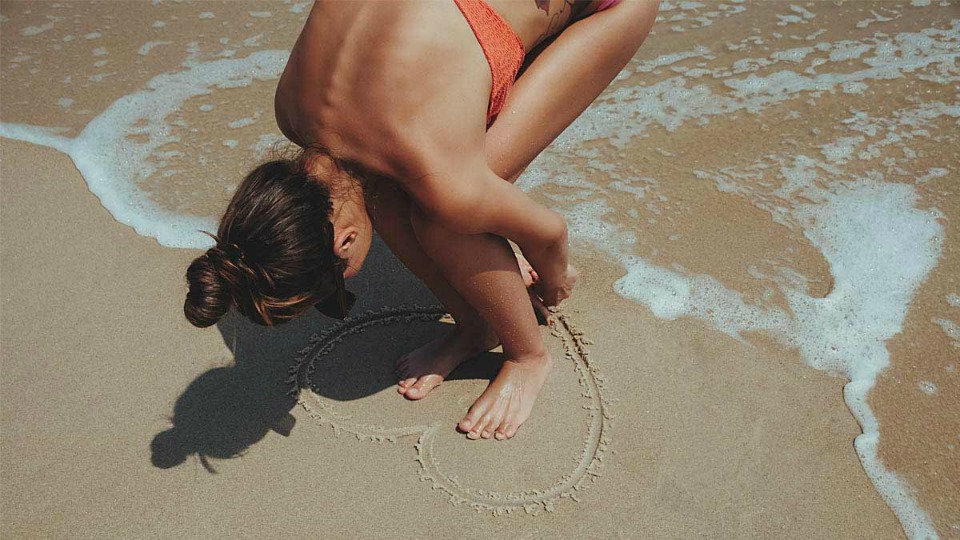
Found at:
<point>228,409</point>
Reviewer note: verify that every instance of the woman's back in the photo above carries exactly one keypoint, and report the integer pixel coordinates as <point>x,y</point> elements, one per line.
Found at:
<point>362,73</point>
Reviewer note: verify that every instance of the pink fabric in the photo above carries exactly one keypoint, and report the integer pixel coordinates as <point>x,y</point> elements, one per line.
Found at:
<point>500,44</point>
<point>605,4</point>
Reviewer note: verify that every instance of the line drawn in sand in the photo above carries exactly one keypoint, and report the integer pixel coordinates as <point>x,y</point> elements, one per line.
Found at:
<point>532,501</point>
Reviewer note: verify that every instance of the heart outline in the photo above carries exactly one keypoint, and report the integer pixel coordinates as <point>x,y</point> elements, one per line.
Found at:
<point>531,501</point>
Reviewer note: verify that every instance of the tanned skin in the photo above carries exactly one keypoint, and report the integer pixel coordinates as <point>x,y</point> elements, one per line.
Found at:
<point>368,82</point>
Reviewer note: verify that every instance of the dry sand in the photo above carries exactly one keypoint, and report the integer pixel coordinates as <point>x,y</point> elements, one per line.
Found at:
<point>121,420</point>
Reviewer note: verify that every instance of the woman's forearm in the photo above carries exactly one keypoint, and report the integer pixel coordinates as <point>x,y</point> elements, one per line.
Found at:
<point>482,202</point>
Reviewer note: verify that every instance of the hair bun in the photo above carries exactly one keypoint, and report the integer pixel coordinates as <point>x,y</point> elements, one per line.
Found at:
<point>210,295</point>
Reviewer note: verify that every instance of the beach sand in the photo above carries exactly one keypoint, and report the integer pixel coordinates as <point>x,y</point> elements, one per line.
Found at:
<point>120,420</point>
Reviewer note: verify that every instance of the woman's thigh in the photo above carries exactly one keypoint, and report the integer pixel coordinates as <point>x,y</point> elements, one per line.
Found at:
<point>563,80</point>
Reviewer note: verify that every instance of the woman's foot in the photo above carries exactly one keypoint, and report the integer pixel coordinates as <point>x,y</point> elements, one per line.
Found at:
<point>508,400</point>
<point>425,368</point>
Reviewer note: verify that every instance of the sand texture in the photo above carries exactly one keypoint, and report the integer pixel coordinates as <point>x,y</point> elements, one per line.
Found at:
<point>710,213</point>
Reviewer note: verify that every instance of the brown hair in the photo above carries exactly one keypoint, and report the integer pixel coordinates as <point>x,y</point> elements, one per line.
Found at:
<point>273,257</point>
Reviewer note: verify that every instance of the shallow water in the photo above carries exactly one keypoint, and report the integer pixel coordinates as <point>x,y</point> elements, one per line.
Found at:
<point>787,169</point>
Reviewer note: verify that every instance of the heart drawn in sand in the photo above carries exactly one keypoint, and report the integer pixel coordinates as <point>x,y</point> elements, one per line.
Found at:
<point>532,486</point>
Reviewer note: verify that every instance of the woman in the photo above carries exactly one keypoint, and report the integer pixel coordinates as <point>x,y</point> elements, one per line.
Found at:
<point>412,123</point>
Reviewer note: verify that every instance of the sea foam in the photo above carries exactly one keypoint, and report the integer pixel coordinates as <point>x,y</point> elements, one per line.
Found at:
<point>879,244</point>
<point>112,161</point>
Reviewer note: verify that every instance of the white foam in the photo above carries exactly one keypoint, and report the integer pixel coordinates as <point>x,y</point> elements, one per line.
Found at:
<point>879,247</point>
<point>952,330</point>
<point>34,30</point>
<point>206,15</point>
<point>113,163</point>
<point>928,388</point>
<point>243,122</point>
<point>841,150</point>
<point>252,41</point>
<point>264,144</point>
<point>148,46</point>
<point>953,299</point>
<point>933,172</point>
<point>865,227</point>
<point>299,7</point>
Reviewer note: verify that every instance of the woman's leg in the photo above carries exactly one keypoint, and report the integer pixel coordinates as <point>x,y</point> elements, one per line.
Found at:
<point>424,368</point>
<point>484,270</point>
<point>553,91</point>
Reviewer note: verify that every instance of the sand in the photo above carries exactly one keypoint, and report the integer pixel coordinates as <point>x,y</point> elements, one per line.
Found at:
<point>121,420</point>
<point>97,356</point>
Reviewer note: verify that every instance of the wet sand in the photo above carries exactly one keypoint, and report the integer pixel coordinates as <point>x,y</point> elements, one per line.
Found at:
<point>119,419</point>
<point>707,436</point>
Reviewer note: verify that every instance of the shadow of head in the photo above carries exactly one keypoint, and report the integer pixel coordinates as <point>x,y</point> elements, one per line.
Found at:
<point>230,408</point>
<point>221,414</point>
<point>226,410</point>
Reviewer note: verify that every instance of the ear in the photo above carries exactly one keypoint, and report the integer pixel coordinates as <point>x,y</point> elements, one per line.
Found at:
<point>344,240</point>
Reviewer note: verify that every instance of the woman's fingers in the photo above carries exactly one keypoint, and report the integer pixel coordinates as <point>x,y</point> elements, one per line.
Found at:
<point>539,309</point>
<point>527,272</point>
<point>554,293</point>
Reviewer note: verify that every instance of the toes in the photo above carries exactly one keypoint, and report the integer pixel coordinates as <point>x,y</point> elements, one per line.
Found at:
<point>500,411</point>
<point>506,431</point>
<point>405,384</point>
<point>423,386</point>
<point>508,426</point>
<point>472,419</point>
<point>482,429</point>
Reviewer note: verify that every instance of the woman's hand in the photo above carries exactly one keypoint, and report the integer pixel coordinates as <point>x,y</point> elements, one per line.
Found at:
<point>556,277</point>
<point>527,272</point>
<point>531,279</point>
<point>556,290</point>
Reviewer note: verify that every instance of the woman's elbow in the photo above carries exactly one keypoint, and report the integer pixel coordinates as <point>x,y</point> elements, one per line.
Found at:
<point>427,221</point>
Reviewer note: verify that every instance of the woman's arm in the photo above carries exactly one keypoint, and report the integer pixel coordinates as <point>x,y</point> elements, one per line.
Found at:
<point>468,198</point>
<point>447,171</point>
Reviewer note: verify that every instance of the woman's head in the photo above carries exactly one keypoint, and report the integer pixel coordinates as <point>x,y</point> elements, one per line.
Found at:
<point>283,245</point>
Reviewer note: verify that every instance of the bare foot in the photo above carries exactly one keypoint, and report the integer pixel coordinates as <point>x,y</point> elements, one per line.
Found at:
<point>508,400</point>
<point>425,368</point>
